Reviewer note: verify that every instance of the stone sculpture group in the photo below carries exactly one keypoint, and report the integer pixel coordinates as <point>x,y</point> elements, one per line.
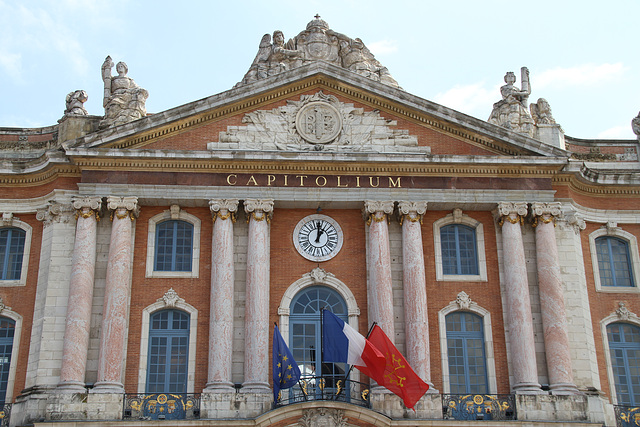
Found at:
<point>124,100</point>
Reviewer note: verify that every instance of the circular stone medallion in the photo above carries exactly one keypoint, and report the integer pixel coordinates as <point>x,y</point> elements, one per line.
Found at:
<point>318,122</point>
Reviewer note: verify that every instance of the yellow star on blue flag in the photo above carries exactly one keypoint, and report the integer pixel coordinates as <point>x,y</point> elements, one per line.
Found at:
<point>285,370</point>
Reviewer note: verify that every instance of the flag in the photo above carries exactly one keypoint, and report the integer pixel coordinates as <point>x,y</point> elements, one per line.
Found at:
<point>343,344</point>
<point>286,372</point>
<point>398,376</point>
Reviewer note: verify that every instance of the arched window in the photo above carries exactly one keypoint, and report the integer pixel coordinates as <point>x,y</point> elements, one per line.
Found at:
<point>614,261</point>
<point>624,348</point>
<point>305,327</point>
<point>466,353</point>
<point>459,254</point>
<point>12,242</point>
<point>168,352</point>
<point>7,332</point>
<point>174,246</point>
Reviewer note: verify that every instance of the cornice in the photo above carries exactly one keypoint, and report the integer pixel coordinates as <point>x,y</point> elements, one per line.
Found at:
<point>579,184</point>
<point>40,177</point>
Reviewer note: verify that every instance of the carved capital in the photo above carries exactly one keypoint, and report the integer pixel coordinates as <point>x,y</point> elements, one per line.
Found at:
<point>377,210</point>
<point>87,206</point>
<point>574,221</point>
<point>545,213</point>
<point>412,211</point>
<point>223,209</point>
<point>122,207</point>
<point>55,213</point>
<point>514,212</point>
<point>259,209</point>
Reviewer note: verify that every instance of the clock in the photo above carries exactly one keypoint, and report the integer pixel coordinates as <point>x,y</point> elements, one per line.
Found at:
<point>317,237</point>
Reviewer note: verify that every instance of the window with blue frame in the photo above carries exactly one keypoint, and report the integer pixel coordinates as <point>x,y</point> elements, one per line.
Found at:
<point>624,347</point>
<point>466,353</point>
<point>459,250</point>
<point>11,252</point>
<point>168,352</point>
<point>174,246</point>
<point>7,330</point>
<point>614,261</point>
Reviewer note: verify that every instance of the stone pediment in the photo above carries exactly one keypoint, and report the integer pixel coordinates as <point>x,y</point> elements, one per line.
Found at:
<point>317,122</point>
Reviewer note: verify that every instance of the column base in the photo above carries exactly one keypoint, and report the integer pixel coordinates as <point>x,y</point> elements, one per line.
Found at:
<point>564,389</point>
<point>255,387</point>
<point>528,388</point>
<point>71,387</point>
<point>108,387</point>
<point>219,387</point>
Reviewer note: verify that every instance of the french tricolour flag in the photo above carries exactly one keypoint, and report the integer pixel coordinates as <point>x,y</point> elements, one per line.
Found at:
<point>343,344</point>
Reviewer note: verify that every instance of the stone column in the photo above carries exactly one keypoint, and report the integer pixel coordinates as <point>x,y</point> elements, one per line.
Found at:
<point>222,288</point>
<point>116,299</point>
<point>256,316</point>
<point>554,319</point>
<point>518,304</point>
<point>415,291</point>
<point>78,320</point>
<point>379,287</point>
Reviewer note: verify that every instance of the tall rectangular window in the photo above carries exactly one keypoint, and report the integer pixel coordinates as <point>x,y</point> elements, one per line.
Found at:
<point>614,262</point>
<point>11,253</point>
<point>174,246</point>
<point>459,250</point>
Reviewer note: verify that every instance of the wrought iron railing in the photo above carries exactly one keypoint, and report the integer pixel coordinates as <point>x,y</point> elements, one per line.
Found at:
<point>161,406</point>
<point>326,388</point>
<point>479,407</point>
<point>627,415</point>
<point>5,415</point>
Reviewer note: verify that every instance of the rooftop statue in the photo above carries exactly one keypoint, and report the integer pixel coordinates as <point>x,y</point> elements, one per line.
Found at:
<point>541,112</point>
<point>75,103</point>
<point>124,101</point>
<point>317,43</point>
<point>635,125</point>
<point>512,111</point>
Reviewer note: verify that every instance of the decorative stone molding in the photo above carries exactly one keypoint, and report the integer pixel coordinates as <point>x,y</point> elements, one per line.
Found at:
<point>514,212</point>
<point>413,211</point>
<point>457,215</point>
<point>377,210</point>
<point>318,275</point>
<point>575,221</point>
<point>3,306</point>
<point>123,207</point>
<point>259,209</point>
<point>87,206</point>
<point>624,313</point>
<point>170,298</point>
<point>612,227</point>
<point>174,212</point>
<point>464,301</point>
<point>322,417</point>
<point>55,213</point>
<point>545,213</point>
<point>7,219</point>
<point>223,209</point>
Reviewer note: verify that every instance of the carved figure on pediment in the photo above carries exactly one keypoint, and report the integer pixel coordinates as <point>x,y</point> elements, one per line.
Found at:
<point>124,101</point>
<point>635,125</point>
<point>512,111</point>
<point>541,112</point>
<point>316,43</point>
<point>75,103</point>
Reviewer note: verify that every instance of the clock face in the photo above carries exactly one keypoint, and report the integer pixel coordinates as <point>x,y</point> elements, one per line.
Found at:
<point>318,237</point>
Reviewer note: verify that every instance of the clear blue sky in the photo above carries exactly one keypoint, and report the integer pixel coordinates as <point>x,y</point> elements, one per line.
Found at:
<point>582,55</point>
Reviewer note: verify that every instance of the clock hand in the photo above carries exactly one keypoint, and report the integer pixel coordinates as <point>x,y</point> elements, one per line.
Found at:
<point>320,231</point>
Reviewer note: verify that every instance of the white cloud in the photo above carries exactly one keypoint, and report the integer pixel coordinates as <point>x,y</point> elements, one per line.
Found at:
<point>11,63</point>
<point>383,47</point>
<point>617,132</point>
<point>580,75</point>
<point>473,99</point>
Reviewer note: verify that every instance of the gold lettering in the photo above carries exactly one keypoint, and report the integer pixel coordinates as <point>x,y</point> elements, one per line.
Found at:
<point>252,179</point>
<point>377,181</point>
<point>318,179</point>
<point>235,179</point>
<point>270,179</point>
<point>394,184</point>
<point>346,185</point>
<point>358,181</point>
<point>286,178</point>
<point>302,177</point>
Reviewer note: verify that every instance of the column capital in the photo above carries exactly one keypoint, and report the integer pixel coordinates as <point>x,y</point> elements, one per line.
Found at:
<point>87,206</point>
<point>514,212</point>
<point>259,209</point>
<point>55,213</point>
<point>377,210</point>
<point>545,212</point>
<point>413,211</point>
<point>129,204</point>
<point>223,209</point>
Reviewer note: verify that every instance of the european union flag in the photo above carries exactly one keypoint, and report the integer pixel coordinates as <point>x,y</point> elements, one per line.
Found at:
<point>286,372</point>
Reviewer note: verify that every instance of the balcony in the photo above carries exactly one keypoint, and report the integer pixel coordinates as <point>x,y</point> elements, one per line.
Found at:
<point>326,388</point>
<point>627,416</point>
<point>161,406</point>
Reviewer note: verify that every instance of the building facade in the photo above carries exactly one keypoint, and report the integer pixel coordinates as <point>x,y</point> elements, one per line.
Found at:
<point>146,257</point>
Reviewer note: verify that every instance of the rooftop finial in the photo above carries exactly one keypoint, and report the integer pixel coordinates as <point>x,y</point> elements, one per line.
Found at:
<point>317,16</point>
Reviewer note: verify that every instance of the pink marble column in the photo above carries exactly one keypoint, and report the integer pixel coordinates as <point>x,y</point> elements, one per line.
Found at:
<point>415,291</point>
<point>116,299</point>
<point>379,288</point>
<point>78,320</point>
<point>554,319</point>
<point>518,305</point>
<point>256,316</point>
<point>222,287</point>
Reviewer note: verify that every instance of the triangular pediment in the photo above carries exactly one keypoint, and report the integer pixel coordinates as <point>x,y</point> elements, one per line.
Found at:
<point>266,115</point>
